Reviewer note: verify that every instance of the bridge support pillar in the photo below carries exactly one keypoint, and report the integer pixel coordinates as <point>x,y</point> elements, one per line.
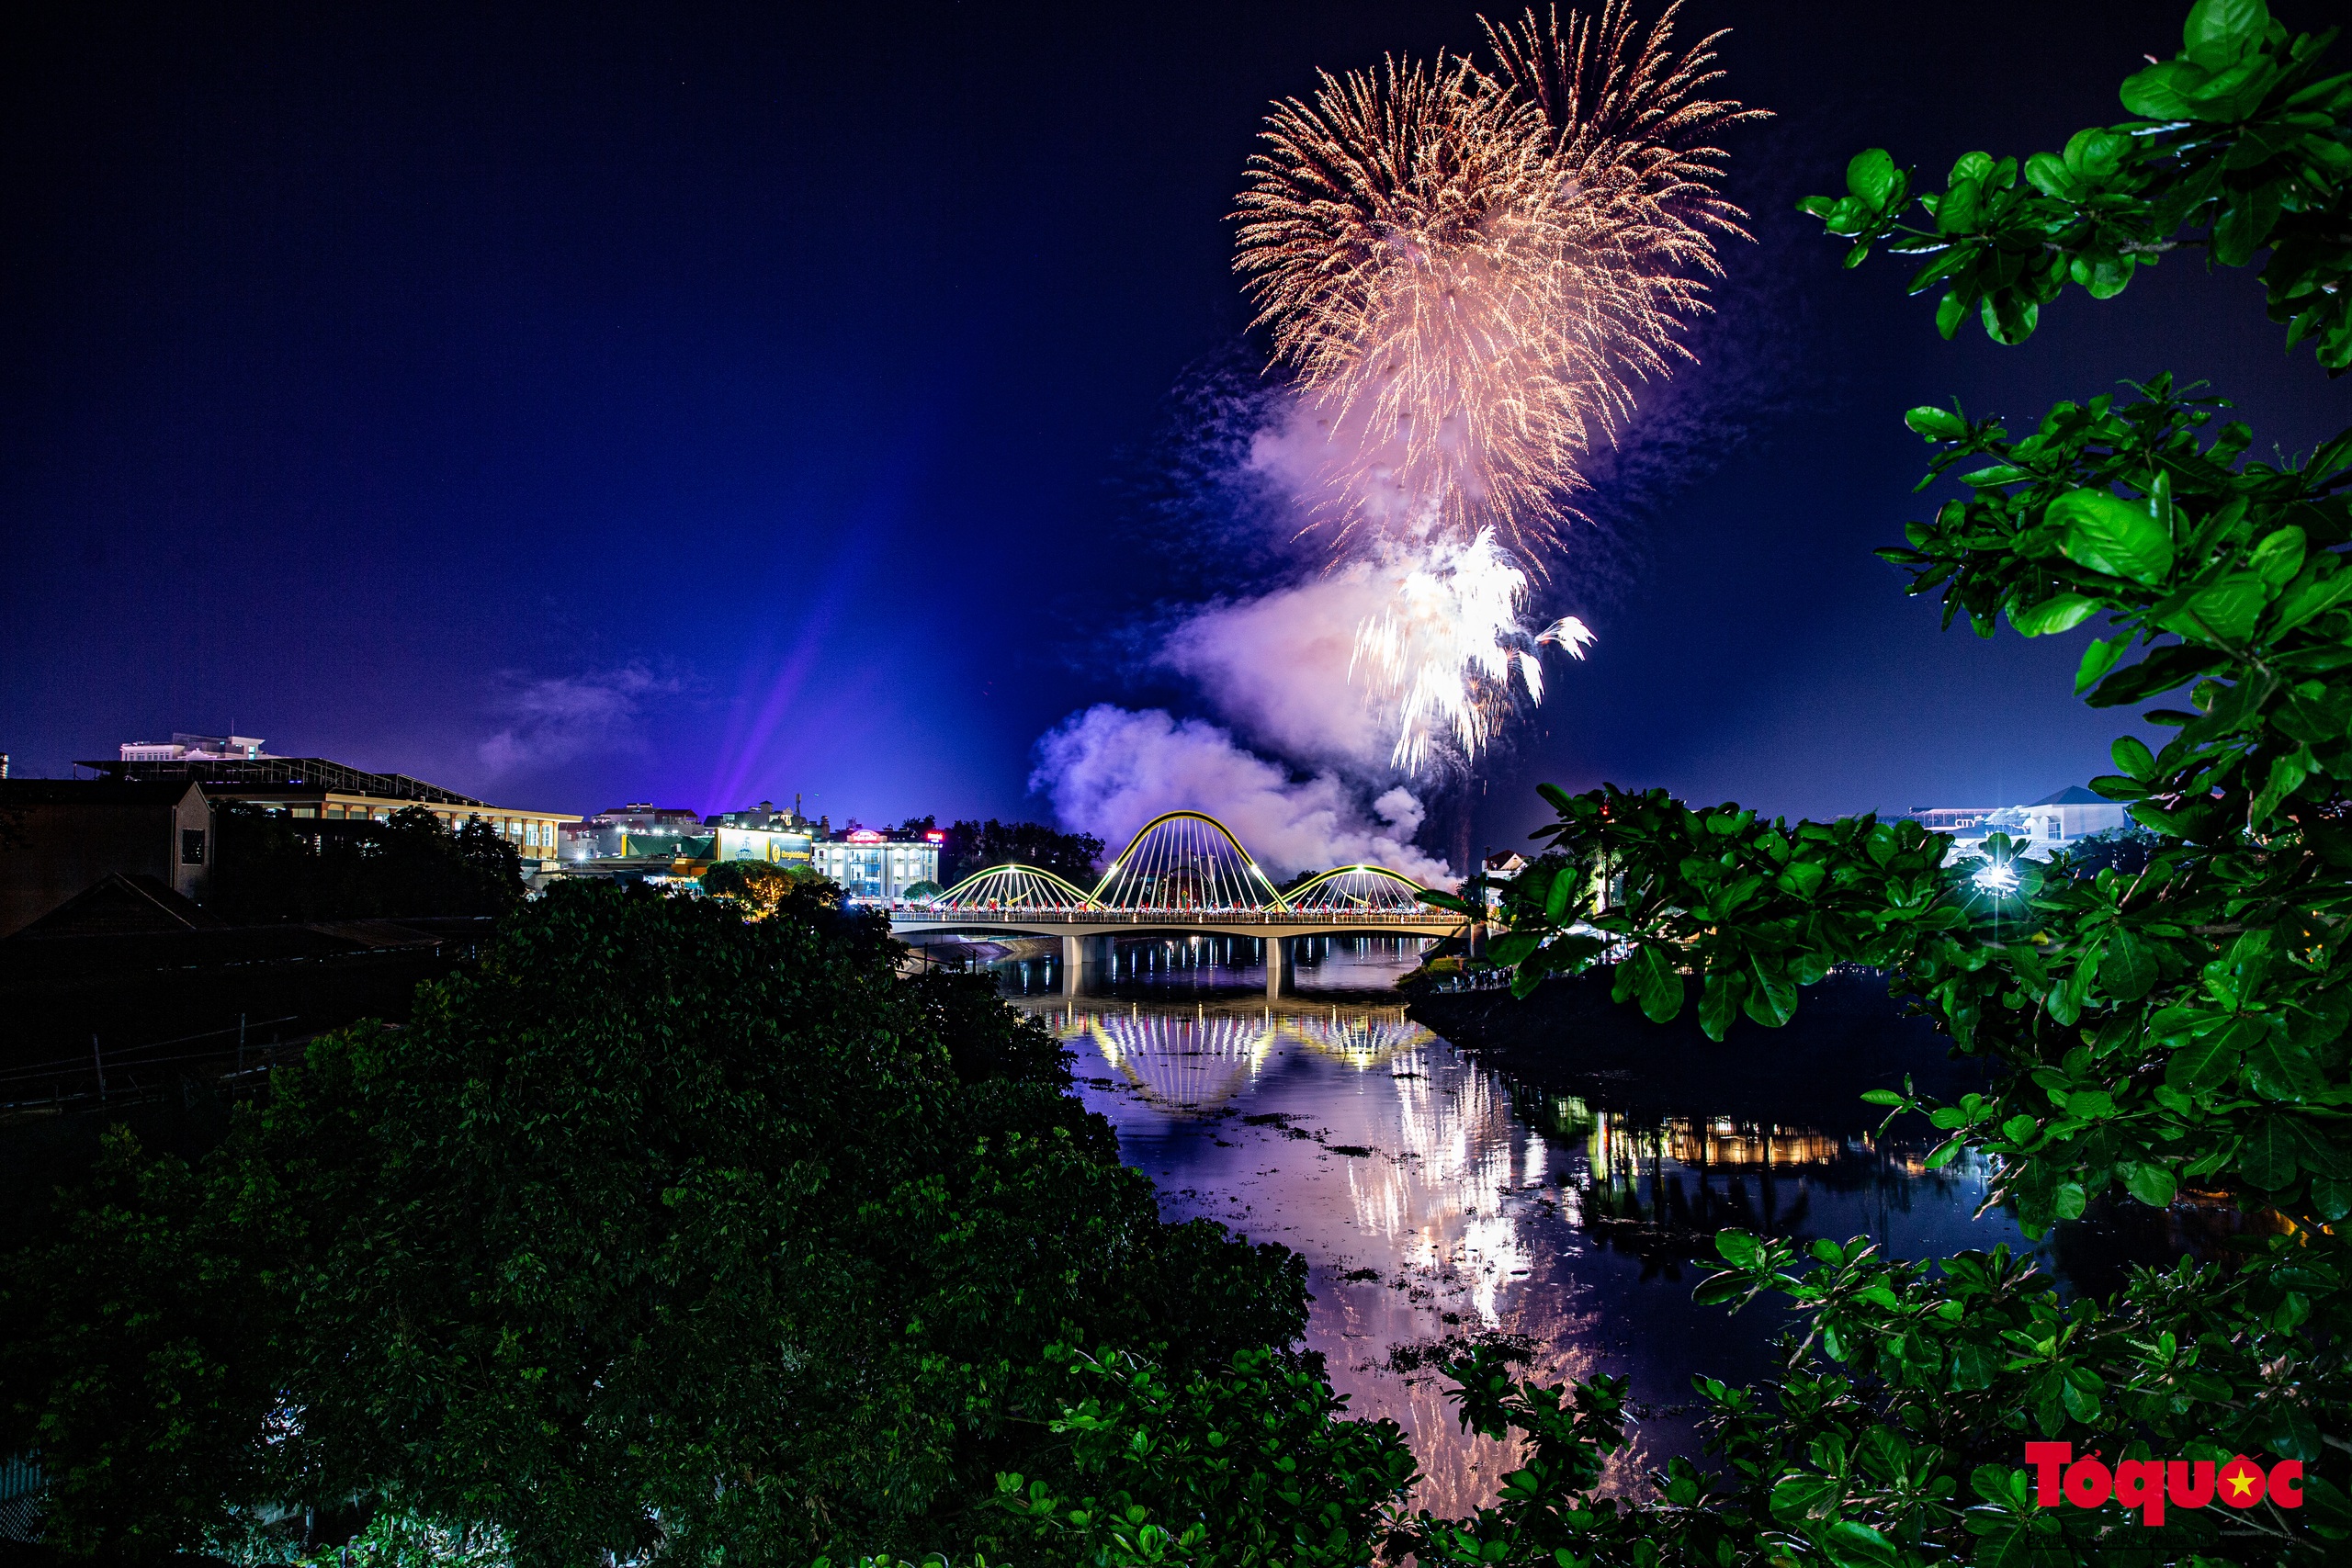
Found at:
<point>1278,964</point>
<point>1085,960</point>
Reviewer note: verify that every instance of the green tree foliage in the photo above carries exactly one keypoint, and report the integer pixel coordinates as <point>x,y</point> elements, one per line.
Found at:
<point>663,1229</point>
<point>2128,850</point>
<point>2178,1025</point>
<point>2239,149</point>
<point>1250,1461</point>
<point>274,868</point>
<point>760,889</point>
<point>975,846</point>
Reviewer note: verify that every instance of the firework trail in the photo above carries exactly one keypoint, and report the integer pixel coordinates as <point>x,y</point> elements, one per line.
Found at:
<point>1467,274</point>
<point>1444,652</point>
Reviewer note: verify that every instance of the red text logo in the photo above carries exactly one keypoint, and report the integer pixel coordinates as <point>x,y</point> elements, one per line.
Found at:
<point>2148,1484</point>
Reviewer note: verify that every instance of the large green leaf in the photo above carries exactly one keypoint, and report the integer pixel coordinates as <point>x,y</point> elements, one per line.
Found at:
<point>1719,1004</point>
<point>1850,1544</point>
<point>1657,986</point>
<point>1871,175</point>
<point>2160,671</point>
<point>1802,1495</point>
<point>2097,659</point>
<point>2229,609</point>
<point>2205,1063</point>
<point>1772,1000</point>
<point>2127,969</point>
<point>2218,33</point>
<point>1935,424</point>
<point>2267,1158</point>
<point>2059,613</point>
<point>2106,533</point>
<point>2151,1184</point>
<point>1514,947</point>
<point>2159,92</point>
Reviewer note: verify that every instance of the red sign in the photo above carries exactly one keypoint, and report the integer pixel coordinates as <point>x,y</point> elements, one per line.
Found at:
<point>934,837</point>
<point>2147,1485</point>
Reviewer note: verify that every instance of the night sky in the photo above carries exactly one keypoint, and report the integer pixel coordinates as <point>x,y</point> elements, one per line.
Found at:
<point>572,405</point>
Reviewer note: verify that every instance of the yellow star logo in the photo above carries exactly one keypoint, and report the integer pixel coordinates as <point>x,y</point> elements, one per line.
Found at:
<point>2240,1482</point>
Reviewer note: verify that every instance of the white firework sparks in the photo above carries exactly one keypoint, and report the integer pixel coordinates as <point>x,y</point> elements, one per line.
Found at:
<point>1447,654</point>
<point>1468,271</point>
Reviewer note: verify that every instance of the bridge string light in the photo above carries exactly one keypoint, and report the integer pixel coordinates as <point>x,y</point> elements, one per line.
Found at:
<point>1186,863</point>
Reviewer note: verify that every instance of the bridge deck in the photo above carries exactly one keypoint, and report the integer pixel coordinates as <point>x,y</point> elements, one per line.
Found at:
<point>1233,922</point>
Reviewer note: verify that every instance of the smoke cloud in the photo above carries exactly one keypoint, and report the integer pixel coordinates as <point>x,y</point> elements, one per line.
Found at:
<point>559,717</point>
<point>1109,771</point>
<point>1277,667</point>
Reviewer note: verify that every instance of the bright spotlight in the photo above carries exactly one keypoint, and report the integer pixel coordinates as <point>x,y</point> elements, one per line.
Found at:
<point>1998,877</point>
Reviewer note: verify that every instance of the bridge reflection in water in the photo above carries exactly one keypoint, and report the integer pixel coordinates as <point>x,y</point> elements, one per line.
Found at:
<point>1193,1064</point>
<point>1437,1201</point>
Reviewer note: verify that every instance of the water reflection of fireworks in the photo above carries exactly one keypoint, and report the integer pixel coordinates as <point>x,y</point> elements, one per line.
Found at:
<point>1437,1203</point>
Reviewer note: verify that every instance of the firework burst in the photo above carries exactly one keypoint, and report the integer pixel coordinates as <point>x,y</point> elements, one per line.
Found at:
<point>1467,272</point>
<point>1449,650</point>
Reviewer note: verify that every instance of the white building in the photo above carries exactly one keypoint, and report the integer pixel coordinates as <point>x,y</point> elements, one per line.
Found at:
<point>186,748</point>
<point>871,865</point>
<point>2048,825</point>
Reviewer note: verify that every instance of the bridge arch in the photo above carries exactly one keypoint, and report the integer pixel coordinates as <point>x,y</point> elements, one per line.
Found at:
<point>1012,887</point>
<point>1356,889</point>
<point>1185,861</point>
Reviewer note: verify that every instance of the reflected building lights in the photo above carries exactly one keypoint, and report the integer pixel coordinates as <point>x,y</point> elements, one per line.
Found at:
<point>1436,1201</point>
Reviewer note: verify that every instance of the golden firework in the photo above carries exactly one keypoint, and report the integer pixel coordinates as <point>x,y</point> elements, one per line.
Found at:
<point>1468,272</point>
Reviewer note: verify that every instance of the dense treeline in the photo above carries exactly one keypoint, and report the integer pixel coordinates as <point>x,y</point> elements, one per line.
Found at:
<point>270,867</point>
<point>663,1228</point>
<point>973,846</point>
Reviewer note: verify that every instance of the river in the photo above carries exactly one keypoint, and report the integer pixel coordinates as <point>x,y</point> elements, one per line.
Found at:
<point>1438,1198</point>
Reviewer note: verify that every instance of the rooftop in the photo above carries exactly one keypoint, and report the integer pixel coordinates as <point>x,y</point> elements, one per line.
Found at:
<point>309,773</point>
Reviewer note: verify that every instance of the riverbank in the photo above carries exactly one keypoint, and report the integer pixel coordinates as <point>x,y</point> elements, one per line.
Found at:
<point>1848,1036</point>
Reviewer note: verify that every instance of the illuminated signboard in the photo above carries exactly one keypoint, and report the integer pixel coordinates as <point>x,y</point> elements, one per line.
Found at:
<point>865,836</point>
<point>934,837</point>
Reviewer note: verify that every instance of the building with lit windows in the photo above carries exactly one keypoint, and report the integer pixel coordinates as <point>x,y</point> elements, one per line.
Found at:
<point>2049,824</point>
<point>637,830</point>
<point>235,769</point>
<point>876,867</point>
<point>764,833</point>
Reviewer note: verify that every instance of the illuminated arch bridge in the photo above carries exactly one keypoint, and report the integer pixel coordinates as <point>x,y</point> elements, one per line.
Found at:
<point>1183,872</point>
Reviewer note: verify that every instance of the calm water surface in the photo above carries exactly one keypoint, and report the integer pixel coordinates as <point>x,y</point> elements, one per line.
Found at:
<point>1437,1200</point>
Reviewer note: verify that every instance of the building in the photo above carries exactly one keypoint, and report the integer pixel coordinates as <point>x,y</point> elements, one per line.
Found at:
<point>60,838</point>
<point>764,834</point>
<point>183,747</point>
<point>2047,825</point>
<point>637,830</point>
<point>1950,818</point>
<point>766,815</point>
<point>877,866</point>
<point>235,768</point>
